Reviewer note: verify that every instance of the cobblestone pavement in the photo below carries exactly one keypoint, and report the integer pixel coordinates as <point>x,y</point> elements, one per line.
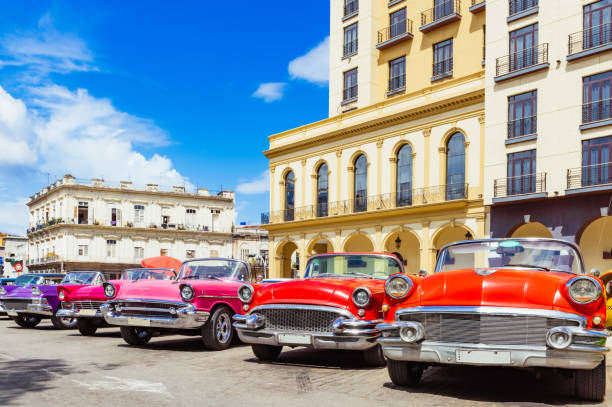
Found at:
<point>45,367</point>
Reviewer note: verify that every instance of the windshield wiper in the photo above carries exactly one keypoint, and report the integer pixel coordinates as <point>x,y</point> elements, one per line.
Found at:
<point>527,266</point>
<point>359,275</point>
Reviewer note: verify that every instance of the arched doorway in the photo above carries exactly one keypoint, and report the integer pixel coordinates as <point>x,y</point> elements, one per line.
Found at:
<point>449,234</point>
<point>358,243</point>
<point>532,229</point>
<point>287,257</point>
<point>319,245</point>
<point>596,244</point>
<point>407,245</point>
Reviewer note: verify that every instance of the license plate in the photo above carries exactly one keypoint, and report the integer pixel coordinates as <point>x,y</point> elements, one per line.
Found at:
<point>484,357</point>
<point>139,322</point>
<point>11,313</point>
<point>87,312</point>
<point>295,339</point>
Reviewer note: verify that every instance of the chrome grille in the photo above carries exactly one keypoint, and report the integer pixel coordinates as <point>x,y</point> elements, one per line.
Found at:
<point>79,305</point>
<point>486,329</point>
<point>16,304</point>
<point>146,309</point>
<point>299,319</point>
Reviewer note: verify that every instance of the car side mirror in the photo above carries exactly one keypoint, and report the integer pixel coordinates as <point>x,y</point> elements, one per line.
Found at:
<point>422,273</point>
<point>594,273</point>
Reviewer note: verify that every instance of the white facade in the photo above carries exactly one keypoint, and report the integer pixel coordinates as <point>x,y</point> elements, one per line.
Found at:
<point>15,247</point>
<point>91,224</point>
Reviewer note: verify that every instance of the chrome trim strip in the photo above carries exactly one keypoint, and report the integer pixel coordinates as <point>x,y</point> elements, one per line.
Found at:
<point>176,303</point>
<point>233,297</point>
<point>339,311</point>
<point>187,317</point>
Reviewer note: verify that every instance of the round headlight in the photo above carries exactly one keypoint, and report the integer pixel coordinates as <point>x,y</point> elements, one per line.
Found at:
<point>187,292</point>
<point>61,295</point>
<point>584,290</point>
<point>36,291</point>
<point>361,297</point>
<point>109,290</point>
<point>245,293</point>
<point>398,286</point>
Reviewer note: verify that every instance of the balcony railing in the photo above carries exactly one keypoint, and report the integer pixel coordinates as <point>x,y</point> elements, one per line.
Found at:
<point>442,10</point>
<point>351,7</point>
<point>522,127</point>
<point>590,38</point>
<point>350,48</point>
<point>400,30</point>
<point>589,175</point>
<point>443,68</point>
<point>522,59</point>
<point>349,93</point>
<point>373,203</point>
<point>596,111</point>
<point>397,83</point>
<point>519,185</point>
<point>518,6</point>
<point>265,218</point>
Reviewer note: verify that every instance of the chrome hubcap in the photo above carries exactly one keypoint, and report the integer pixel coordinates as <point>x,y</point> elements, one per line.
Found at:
<point>224,328</point>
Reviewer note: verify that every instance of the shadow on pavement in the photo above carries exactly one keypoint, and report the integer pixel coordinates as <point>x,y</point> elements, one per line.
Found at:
<point>496,385</point>
<point>323,359</point>
<point>181,344</point>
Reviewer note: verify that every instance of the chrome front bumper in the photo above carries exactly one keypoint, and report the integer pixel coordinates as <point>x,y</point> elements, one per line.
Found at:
<point>74,313</point>
<point>187,317</point>
<point>348,334</point>
<point>38,309</point>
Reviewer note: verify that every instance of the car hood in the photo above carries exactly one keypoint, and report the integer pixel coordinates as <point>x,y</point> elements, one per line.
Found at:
<point>335,292</point>
<point>84,292</point>
<point>26,292</point>
<point>495,288</point>
<point>164,290</point>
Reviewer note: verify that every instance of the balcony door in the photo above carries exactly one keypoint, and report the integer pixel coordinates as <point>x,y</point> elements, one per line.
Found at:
<point>596,163</point>
<point>523,44</point>
<point>442,8</point>
<point>522,114</point>
<point>521,172</point>
<point>397,23</point>
<point>597,27</point>
<point>596,97</point>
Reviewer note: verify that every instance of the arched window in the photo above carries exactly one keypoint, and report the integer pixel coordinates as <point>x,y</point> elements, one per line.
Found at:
<point>322,190</point>
<point>404,176</point>
<point>455,167</point>
<point>361,184</point>
<point>289,196</point>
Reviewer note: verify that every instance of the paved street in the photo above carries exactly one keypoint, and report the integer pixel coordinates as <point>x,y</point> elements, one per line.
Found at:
<point>45,367</point>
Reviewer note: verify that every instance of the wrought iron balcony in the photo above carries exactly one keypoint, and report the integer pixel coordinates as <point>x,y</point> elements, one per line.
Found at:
<point>522,127</point>
<point>519,6</point>
<point>477,6</point>
<point>350,48</point>
<point>589,176</point>
<point>596,39</point>
<point>442,14</point>
<point>351,7</point>
<point>349,94</point>
<point>521,62</point>
<point>596,111</point>
<point>265,218</point>
<point>442,69</point>
<point>519,185</point>
<point>394,34</point>
<point>373,203</point>
<point>396,84</point>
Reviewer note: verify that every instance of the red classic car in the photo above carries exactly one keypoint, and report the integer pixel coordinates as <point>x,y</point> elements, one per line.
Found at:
<point>336,306</point>
<point>202,300</point>
<point>84,295</point>
<point>499,302</point>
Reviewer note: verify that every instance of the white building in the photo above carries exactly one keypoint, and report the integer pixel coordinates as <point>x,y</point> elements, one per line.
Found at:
<point>251,245</point>
<point>97,226</point>
<point>15,252</point>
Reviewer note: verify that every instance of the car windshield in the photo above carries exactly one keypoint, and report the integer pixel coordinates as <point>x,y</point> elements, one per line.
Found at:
<point>83,277</point>
<point>545,255</point>
<point>216,269</point>
<point>28,279</point>
<point>148,274</point>
<point>352,265</point>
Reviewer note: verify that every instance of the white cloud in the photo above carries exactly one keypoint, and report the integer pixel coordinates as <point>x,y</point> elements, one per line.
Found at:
<point>14,216</point>
<point>44,51</point>
<point>258,185</point>
<point>270,91</point>
<point>312,66</point>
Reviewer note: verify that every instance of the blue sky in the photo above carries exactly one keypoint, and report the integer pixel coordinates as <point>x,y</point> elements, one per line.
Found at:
<point>156,91</point>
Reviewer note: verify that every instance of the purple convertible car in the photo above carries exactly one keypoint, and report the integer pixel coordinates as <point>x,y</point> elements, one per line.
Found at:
<point>33,298</point>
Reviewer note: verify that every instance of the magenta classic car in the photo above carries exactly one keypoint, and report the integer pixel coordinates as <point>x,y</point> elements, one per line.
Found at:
<point>202,300</point>
<point>32,299</point>
<point>82,300</point>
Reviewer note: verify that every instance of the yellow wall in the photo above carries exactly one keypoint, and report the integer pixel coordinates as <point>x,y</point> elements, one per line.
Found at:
<point>595,240</point>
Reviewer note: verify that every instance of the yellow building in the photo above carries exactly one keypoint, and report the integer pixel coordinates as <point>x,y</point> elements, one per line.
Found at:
<point>397,167</point>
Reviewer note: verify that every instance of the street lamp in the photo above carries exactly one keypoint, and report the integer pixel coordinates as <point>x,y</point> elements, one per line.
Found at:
<point>398,242</point>
<point>468,236</point>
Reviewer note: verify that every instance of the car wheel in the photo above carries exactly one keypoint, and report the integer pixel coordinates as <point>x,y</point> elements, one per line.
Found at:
<point>86,327</point>
<point>217,333</point>
<point>266,352</point>
<point>374,356</point>
<point>591,384</point>
<point>404,373</point>
<point>136,336</point>
<point>26,321</point>
<point>63,323</point>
